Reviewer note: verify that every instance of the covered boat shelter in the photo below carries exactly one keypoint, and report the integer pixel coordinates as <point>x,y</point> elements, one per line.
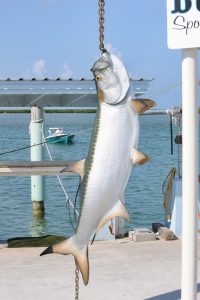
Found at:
<point>56,93</point>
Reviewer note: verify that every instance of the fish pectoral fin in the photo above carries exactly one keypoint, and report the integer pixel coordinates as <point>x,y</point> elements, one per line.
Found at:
<point>80,255</point>
<point>77,167</point>
<point>118,210</point>
<point>141,105</point>
<point>139,158</point>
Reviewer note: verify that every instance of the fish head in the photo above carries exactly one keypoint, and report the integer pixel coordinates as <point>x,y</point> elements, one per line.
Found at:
<point>111,77</point>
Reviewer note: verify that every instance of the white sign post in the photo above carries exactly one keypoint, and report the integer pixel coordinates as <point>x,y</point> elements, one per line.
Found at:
<point>183,18</point>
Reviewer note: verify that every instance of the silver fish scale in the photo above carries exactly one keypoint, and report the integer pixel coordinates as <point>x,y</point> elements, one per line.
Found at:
<point>89,160</point>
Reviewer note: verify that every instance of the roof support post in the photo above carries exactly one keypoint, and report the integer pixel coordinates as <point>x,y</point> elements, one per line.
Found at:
<point>37,182</point>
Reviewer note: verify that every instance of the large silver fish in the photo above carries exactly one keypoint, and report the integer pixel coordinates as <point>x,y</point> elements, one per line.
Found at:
<point>112,152</point>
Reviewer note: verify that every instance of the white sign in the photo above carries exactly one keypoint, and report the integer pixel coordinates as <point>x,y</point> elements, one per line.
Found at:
<point>183,23</point>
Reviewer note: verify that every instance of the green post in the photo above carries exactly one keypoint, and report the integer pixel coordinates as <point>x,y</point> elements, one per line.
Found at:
<point>37,182</point>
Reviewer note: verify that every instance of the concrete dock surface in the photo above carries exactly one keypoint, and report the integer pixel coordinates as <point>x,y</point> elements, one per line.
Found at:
<point>120,269</point>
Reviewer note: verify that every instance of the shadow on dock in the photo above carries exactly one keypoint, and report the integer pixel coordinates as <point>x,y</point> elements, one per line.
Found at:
<point>175,295</point>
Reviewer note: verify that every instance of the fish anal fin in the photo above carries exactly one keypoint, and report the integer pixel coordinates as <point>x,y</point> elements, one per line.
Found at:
<point>139,158</point>
<point>118,210</point>
<point>76,167</point>
<point>141,105</point>
<point>80,255</point>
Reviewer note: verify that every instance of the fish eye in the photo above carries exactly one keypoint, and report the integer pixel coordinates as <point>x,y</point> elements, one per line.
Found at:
<point>98,77</point>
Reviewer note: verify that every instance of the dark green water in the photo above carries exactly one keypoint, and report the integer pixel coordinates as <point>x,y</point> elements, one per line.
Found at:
<point>144,199</point>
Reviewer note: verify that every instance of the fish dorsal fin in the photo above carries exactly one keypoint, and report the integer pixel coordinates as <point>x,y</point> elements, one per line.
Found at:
<point>141,105</point>
<point>76,167</point>
<point>139,158</point>
<point>118,210</point>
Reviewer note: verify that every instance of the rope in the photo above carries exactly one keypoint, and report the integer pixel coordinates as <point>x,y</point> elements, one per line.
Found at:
<point>168,88</point>
<point>44,142</point>
<point>76,133</point>
<point>22,148</point>
<point>171,135</point>
<point>165,89</point>
<point>167,192</point>
<point>58,177</point>
<point>35,145</point>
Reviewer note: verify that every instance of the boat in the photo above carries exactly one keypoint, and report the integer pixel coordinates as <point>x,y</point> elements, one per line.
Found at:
<point>172,185</point>
<point>57,135</point>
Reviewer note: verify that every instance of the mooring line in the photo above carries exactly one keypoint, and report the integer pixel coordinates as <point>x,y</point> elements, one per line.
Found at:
<point>35,145</point>
<point>58,177</point>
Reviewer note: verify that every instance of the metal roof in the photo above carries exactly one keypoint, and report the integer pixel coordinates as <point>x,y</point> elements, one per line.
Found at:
<point>56,93</point>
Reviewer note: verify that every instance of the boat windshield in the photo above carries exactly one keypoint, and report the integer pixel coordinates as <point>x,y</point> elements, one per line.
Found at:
<point>55,131</point>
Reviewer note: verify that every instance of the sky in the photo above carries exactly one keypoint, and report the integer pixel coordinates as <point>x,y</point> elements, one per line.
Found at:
<point>60,38</point>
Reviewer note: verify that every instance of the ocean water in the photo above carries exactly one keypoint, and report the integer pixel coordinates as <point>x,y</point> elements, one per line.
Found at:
<point>143,197</point>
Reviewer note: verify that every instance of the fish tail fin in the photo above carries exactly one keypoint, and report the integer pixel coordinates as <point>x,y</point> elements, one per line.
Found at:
<point>80,255</point>
<point>82,261</point>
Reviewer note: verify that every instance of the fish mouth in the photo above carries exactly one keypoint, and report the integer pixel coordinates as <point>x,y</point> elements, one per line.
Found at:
<point>101,95</point>
<point>102,63</point>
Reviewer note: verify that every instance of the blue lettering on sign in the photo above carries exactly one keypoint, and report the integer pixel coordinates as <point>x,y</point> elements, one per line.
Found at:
<point>180,8</point>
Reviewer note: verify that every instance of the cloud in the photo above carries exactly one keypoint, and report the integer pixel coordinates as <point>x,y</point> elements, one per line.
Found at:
<point>39,67</point>
<point>113,50</point>
<point>67,73</point>
<point>40,71</point>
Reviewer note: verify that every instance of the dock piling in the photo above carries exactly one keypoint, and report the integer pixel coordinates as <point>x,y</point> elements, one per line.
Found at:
<point>37,182</point>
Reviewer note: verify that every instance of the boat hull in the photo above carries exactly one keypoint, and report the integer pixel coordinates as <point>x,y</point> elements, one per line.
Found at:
<point>61,139</point>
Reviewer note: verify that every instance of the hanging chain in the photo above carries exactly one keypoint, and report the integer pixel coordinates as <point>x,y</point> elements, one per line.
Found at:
<point>101,25</point>
<point>76,282</point>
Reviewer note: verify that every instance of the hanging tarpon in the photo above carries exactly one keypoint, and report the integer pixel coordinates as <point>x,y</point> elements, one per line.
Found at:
<point>112,152</point>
